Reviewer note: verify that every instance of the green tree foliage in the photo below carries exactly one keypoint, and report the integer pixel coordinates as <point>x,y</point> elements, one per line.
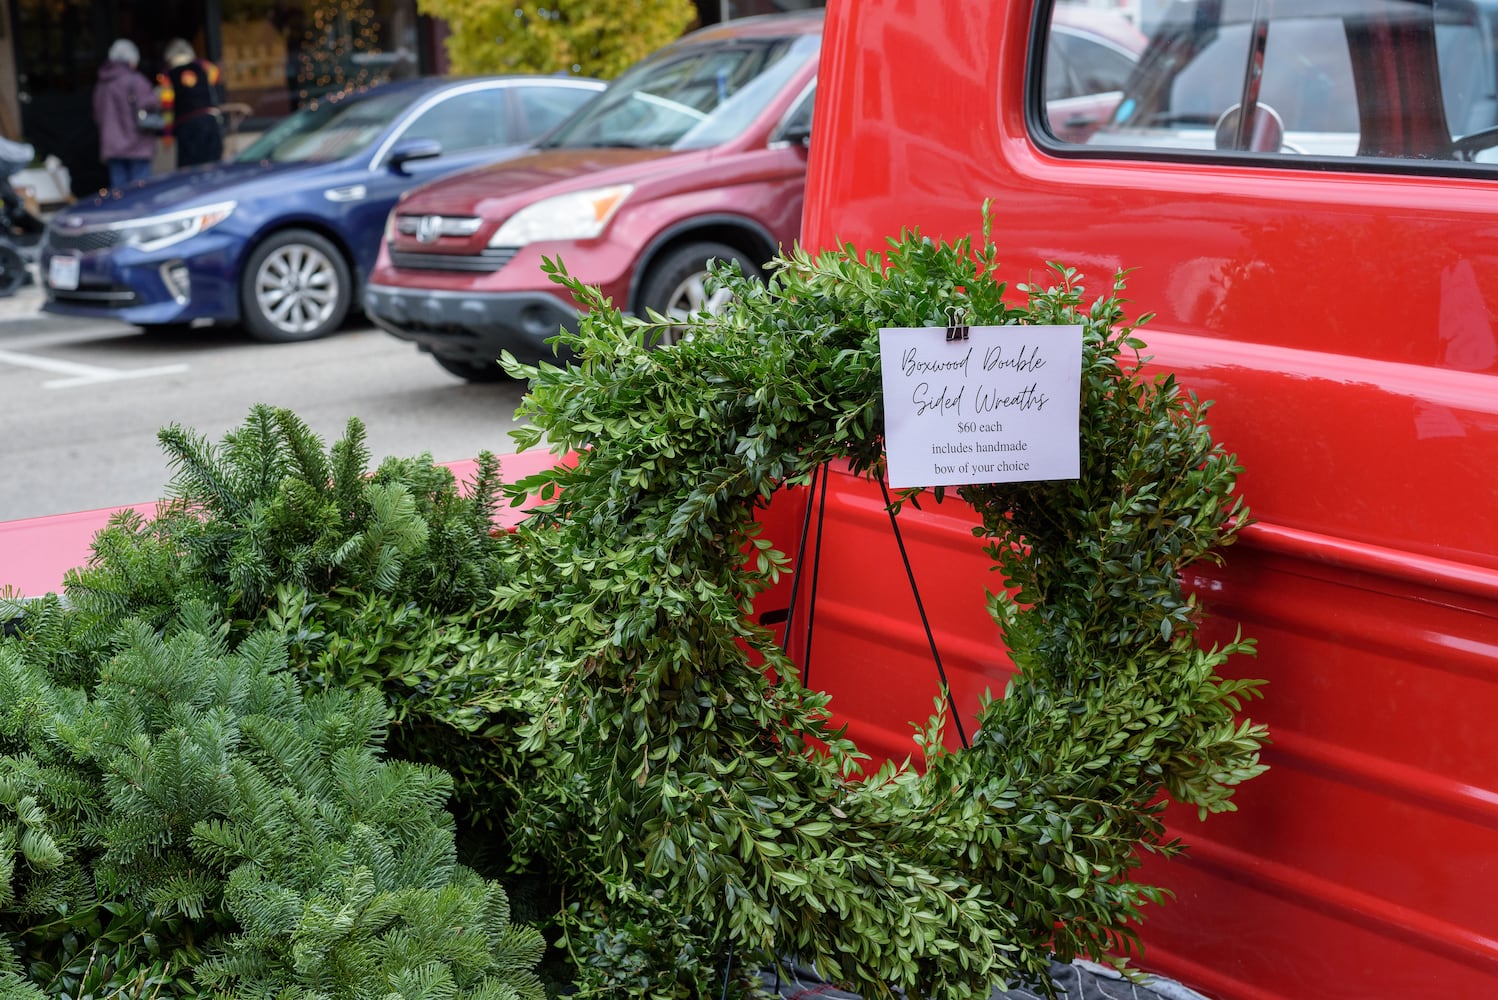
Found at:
<point>197,823</point>
<point>591,37</point>
<point>371,576</point>
<point>179,812</point>
<point>270,509</point>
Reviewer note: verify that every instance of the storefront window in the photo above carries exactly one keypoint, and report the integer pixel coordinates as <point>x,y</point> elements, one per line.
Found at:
<point>280,54</point>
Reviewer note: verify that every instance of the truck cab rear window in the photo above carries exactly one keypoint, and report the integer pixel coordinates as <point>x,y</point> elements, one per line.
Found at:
<point>1404,80</point>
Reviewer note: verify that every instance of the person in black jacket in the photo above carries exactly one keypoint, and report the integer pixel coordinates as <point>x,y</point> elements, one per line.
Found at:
<point>191,92</point>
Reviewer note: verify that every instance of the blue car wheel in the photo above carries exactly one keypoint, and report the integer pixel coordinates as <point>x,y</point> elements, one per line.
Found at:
<point>295,286</point>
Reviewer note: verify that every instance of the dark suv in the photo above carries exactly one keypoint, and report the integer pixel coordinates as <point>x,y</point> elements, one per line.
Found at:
<point>695,153</point>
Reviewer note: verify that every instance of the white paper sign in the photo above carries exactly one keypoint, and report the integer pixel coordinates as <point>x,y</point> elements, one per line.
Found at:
<point>999,407</point>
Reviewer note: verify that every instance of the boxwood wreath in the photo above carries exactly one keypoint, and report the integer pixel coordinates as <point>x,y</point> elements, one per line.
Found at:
<point>705,814</point>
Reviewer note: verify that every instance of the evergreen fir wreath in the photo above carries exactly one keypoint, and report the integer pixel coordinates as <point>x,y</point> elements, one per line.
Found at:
<point>702,814</point>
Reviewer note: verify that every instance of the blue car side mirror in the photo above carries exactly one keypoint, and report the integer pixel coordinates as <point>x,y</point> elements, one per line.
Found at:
<point>413,149</point>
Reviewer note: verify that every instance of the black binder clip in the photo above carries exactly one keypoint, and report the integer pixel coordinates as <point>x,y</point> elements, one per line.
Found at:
<point>957,328</point>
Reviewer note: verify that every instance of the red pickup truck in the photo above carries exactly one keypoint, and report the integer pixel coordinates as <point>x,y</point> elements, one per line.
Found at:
<point>1304,196</point>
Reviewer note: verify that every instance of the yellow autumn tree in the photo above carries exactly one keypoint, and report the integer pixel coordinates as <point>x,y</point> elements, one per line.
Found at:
<point>591,37</point>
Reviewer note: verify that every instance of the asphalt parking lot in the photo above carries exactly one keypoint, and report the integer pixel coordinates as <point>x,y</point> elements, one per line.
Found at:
<point>81,401</point>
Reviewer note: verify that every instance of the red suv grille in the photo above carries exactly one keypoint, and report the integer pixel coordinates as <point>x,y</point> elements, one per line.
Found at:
<point>489,259</point>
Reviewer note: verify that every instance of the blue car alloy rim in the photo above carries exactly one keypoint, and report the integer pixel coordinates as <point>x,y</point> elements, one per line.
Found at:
<point>296,289</point>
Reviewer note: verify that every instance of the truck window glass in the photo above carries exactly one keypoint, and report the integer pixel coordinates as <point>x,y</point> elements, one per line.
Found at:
<point>1312,78</point>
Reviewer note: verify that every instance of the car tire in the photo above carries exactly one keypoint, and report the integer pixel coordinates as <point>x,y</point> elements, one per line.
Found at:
<point>472,371</point>
<point>295,286</point>
<point>673,286</point>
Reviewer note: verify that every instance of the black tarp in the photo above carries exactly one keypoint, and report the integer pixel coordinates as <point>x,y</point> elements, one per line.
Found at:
<point>1075,981</point>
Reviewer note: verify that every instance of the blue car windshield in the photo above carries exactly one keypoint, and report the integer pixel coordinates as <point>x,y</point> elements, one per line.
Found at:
<point>328,130</point>
<point>688,98</point>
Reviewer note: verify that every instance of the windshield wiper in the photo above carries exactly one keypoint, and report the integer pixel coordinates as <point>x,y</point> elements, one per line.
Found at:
<point>616,144</point>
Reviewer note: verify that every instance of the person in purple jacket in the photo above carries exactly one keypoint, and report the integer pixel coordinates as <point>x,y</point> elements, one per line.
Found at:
<point>121,91</point>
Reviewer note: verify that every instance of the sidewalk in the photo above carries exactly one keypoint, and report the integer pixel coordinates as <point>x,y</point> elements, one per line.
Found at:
<point>25,304</point>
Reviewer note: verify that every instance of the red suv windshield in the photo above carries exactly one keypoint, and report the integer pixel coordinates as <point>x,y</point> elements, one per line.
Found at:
<point>688,97</point>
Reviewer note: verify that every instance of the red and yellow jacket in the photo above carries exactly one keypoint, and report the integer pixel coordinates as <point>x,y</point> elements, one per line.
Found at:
<point>188,91</point>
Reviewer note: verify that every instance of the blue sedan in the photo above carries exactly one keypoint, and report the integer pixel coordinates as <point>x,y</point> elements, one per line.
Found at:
<point>281,238</point>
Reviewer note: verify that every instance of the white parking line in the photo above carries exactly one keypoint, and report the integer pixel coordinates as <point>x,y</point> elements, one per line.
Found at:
<point>82,374</point>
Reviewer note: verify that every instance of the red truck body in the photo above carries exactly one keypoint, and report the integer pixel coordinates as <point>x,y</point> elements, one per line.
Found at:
<point>1341,314</point>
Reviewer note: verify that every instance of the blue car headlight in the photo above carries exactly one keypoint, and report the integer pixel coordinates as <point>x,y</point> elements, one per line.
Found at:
<point>158,231</point>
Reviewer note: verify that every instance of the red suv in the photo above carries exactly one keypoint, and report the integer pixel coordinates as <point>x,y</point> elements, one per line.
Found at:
<point>695,153</point>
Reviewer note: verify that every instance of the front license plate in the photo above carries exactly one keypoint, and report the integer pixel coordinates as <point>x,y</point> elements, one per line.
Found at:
<point>62,273</point>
